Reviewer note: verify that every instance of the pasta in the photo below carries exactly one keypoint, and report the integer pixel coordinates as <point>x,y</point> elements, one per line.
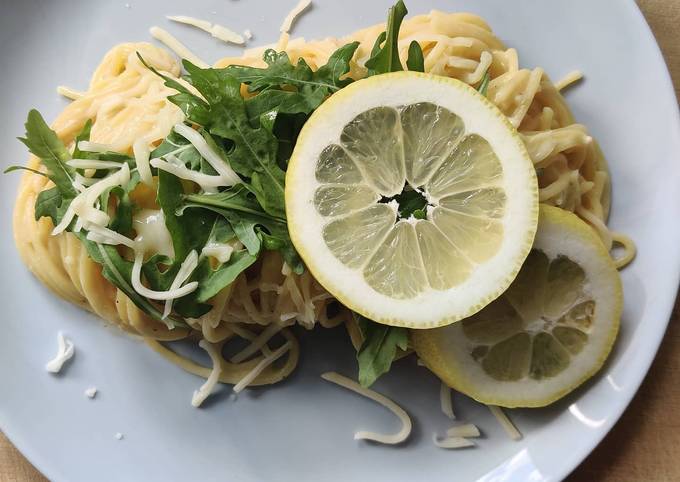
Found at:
<point>130,113</point>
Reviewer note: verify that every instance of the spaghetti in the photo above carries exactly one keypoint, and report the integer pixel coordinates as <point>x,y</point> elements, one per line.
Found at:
<point>130,113</point>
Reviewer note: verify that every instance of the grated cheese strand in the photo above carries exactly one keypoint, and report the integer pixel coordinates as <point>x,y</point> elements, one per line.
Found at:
<point>156,295</point>
<point>220,251</point>
<point>82,204</point>
<point>264,363</point>
<point>89,146</point>
<point>194,22</point>
<point>176,46</point>
<point>293,15</point>
<point>65,352</point>
<point>174,166</point>
<point>452,442</point>
<point>466,430</point>
<point>186,268</point>
<point>206,389</point>
<point>85,181</point>
<point>220,32</point>
<point>257,343</point>
<point>213,158</point>
<point>141,151</point>
<point>405,420</point>
<point>93,164</point>
<point>69,93</point>
<point>226,35</point>
<point>445,401</point>
<point>505,422</point>
<point>108,236</point>
<point>91,392</point>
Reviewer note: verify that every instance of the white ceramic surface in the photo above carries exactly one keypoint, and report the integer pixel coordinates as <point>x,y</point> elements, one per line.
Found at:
<point>302,429</point>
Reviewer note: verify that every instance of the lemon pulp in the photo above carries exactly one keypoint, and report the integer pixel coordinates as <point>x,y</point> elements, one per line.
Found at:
<point>411,200</point>
<point>552,329</point>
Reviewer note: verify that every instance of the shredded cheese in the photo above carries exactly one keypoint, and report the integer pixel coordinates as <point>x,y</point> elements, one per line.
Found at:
<point>194,22</point>
<point>141,151</point>
<point>247,34</point>
<point>218,31</point>
<point>569,79</point>
<point>88,146</point>
<point>65,352</point>
<point>445,400</point>
<point>82,204</point>
<point>390,439</point>
<point>119,436</point>
<point>174,166</point>
<point>213,158</point>
<point>293,15</point>
<point>91,392</point>
<point>93,164</point>
<point>220,251</point>
<point>452,442</point>
<point>466,430</point>
<point>264,363</point>
<point>69,93</point>
<point>176,46</point>
<point>505,422</point>
<point>84,181</point>
<point>186,268</point>
<point>226,35</point>
<point>102,235</point>
<point>256,344</point>
<point>206,389</point>
<point>156,295</point>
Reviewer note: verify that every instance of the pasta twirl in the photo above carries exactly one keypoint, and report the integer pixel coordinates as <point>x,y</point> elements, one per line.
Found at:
<point>127,102</point>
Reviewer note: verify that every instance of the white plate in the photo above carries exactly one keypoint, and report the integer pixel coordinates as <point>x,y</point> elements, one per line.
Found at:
<point>302,429</point>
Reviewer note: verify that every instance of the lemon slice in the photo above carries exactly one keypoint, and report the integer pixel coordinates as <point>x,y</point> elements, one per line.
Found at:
<point>411,199</point>
<point>548,333</point>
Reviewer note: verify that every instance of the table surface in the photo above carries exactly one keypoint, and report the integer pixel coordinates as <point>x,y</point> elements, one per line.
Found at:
<point>645,443</point>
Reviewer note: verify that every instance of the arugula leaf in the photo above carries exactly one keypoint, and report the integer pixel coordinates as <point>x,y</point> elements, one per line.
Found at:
<point>377,352</point>
<point>83,135</point>
<point>337,67</point>
<point>44,144</point>
<point>284,88</point>
<point>254,152</point>
<point>415,61</point>
<point>118,271</point>
<point>188,232</point>
<point>194,107</point>
<point>280,72</point>
<point>160,271</point>
<point>253,227</point>
<point>213,280</point>
<point>47,205</point>
<point>484,84</point>
<point>176,145</point>
<point>121,221</point>
<point>385,58</point>
<point>24,168</point>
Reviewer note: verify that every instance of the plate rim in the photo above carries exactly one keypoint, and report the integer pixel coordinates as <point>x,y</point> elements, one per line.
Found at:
<point>46,466</point>
<point>578,457</point>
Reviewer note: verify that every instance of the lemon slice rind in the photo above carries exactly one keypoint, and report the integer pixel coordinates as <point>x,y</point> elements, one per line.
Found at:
<point>446,351</point>
<point>431,307</point>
